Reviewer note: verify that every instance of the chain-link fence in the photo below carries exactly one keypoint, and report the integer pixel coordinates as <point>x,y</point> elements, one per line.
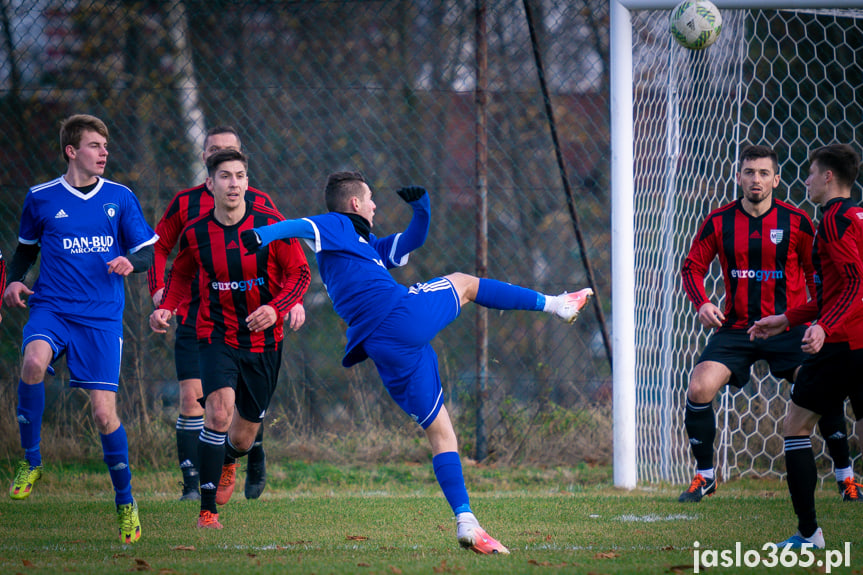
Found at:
<point>384,87</point>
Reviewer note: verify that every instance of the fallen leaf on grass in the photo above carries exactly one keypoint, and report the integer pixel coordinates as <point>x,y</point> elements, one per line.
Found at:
<point>606,555</point>
<point>141,563</point>
<point>356,537</point>
<point>364,564</point>
<point>27,563</point>
<point>681,569</point>
<point>183,548</point>
<point>395,570</point>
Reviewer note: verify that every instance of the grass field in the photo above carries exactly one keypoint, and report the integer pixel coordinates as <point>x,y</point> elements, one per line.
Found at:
<point>320,519</point>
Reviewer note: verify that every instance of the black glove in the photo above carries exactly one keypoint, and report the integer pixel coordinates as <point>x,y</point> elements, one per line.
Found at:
<point>251,240</point>
<point>411,193</point>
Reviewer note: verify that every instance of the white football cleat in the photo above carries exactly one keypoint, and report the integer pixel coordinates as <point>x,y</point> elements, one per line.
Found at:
<point>472,536</point>
<point>573,304</point>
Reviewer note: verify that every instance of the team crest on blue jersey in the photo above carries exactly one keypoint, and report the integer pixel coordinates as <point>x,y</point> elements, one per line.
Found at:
<point>776,236</point>
<point>111,210</point>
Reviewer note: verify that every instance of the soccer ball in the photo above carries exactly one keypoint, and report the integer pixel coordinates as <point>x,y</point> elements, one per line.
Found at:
<point>695,24</point>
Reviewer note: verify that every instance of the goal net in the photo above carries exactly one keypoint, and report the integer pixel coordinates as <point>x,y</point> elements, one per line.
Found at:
<point>785,78</point>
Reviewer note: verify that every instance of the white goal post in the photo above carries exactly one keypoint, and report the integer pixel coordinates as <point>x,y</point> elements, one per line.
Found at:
<point>668,171</point>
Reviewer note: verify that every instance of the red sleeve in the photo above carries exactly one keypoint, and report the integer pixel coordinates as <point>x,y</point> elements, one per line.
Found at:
<point>183,273</point>
<point>168,229</point>
<point>803,313</point>
<point>844,253</point>
<point>295,273</point>
<point>697,263</point>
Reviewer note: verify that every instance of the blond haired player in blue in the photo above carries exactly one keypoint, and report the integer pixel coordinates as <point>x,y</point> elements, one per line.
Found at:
<point>91,233</point>
<point>393,324</point>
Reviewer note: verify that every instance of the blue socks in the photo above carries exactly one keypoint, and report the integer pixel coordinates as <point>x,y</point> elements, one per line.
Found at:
<point>115,448</point>
<point>501,295</point>
<point>31,406</point>
<point>447,469</point>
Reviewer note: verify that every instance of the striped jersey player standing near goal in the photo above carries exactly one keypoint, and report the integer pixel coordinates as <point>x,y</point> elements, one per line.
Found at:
<point>91,233</point>
<point>393,324</point>
<point>834,343</point>
<point>185,206</point>
<point>765,248</point>
<point>244,300</point>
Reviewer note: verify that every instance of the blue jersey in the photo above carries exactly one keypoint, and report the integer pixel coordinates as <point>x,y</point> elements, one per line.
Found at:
<point>355,273</point>
<point>79,234</point>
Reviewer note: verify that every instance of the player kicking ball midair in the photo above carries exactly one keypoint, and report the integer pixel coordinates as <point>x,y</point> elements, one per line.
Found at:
<point>393,324</point>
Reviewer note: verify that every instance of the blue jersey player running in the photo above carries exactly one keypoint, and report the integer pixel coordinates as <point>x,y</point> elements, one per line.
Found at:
<point>393,324</point>
<point>91,233</point>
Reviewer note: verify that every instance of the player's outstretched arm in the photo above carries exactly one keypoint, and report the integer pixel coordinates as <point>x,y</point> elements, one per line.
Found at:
<point>255,239</point>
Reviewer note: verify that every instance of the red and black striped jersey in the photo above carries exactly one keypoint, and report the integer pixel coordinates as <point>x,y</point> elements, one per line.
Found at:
<point>766,261</point>
<point>836,254</point>
<point>233,284</point>
<point>185,206</point>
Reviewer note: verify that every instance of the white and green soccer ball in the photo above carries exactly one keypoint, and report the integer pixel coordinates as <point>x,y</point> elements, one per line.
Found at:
<point>695,24</point>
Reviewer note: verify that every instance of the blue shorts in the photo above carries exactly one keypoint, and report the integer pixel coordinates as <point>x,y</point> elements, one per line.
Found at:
<point>92,355</point>
<point>401,351</point>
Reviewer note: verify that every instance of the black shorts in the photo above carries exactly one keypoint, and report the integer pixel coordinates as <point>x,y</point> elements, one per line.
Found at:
<point>251,375</point>
<point>732,348</point>
<point>186,353</point>
<point>827,378</point>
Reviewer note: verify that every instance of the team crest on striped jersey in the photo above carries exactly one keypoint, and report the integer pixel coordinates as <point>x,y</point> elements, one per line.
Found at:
<point>776,236</point>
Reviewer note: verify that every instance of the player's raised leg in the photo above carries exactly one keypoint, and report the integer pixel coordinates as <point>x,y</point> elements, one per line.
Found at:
<point>501,295</point>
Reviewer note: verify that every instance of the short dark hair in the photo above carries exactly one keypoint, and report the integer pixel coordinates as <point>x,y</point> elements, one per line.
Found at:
<point>223,129</point>
<point>223,156</point>
<point>755,152</point>
<point>841,159</point>
<point>73,127</point>
<point>341,187</point>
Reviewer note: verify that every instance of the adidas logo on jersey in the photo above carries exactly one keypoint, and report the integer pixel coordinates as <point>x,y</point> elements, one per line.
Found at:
<point>233,245</point>
<point>61,214</point>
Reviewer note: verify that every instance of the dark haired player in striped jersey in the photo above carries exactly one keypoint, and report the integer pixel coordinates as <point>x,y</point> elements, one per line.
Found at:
<point>765,248</point>
<point>244,299</point>
<point>832,372</point>
<point>185,206</point>
<point>393,324</point>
